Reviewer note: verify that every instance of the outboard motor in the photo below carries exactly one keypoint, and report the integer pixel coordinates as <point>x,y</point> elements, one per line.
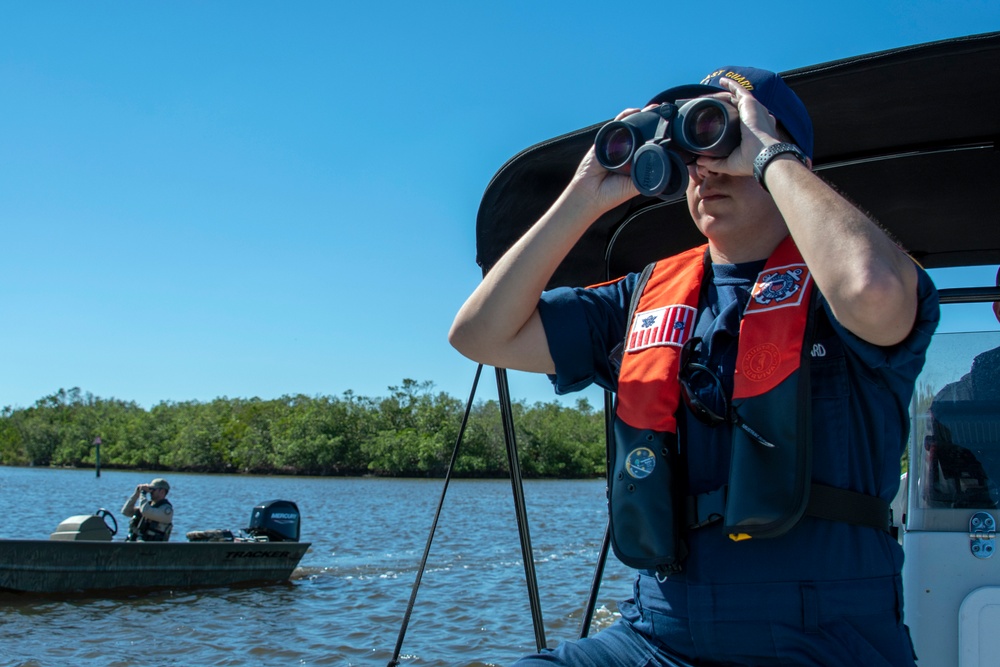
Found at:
<point>275,521</point>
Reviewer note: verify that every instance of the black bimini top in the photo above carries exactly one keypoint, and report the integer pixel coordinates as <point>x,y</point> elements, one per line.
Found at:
<point>909,134</point>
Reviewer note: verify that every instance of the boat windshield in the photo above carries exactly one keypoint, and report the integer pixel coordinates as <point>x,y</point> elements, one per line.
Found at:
<point>955,437</point>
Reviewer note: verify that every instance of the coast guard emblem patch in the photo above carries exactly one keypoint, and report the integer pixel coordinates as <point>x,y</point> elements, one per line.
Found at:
<point>781,287</point>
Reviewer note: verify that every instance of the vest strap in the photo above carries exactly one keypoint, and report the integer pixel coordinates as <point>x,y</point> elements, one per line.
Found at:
<point>705,509</point>
<point>829,502</point>
<point>825,502</point>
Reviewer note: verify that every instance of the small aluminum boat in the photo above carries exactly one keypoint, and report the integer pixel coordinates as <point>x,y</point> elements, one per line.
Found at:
<point>81,556</point>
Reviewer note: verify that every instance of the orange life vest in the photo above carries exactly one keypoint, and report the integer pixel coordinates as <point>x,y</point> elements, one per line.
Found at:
<point>770,487</point>
<point>770,342</point>
<point>646,478</point>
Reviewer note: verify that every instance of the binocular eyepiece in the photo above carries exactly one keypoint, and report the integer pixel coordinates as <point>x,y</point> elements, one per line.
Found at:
<point>656,146</point>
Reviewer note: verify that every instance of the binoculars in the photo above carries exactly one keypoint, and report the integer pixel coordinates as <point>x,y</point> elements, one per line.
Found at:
<point>656,146</point>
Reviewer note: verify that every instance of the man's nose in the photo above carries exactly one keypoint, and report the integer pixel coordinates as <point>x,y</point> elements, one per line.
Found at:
<point>699,173</point>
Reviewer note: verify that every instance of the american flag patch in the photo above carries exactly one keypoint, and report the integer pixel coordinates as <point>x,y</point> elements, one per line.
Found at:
<point>671,325</point>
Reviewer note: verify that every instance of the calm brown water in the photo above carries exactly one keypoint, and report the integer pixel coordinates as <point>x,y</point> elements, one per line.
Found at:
<point>346,602</point>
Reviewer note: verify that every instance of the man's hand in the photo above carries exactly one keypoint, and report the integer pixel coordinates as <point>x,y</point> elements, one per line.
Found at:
<point>758,130</point>
<point>602,188</point>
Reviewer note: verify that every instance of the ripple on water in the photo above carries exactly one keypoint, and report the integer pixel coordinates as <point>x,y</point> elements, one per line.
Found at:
<point>346,602</point>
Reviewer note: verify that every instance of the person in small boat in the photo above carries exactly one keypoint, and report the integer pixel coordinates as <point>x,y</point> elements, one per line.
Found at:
<point>762,383</point>
<point>153,517</point>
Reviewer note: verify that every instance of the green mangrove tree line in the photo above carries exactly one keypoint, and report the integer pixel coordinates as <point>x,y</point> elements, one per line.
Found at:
<point>410,432</point>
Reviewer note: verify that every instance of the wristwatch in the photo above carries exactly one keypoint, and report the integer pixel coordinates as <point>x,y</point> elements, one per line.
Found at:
<point>764,158</point>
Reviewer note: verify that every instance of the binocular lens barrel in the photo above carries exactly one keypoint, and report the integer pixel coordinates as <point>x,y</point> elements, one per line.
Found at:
<point>617,141</point>
<point>615,147</point>
<point>649,145</point>
<point>707,126</point>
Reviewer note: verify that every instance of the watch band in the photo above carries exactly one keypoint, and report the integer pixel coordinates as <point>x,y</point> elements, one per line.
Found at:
<point>766,156</point>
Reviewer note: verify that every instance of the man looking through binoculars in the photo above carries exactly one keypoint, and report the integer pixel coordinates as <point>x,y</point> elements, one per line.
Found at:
<point>762,384</point>
<point>153,518</point>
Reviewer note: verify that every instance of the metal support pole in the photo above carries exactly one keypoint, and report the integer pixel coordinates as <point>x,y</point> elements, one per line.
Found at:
<point>602,557</point>
<point>527,554</point>
<point>394,662</point>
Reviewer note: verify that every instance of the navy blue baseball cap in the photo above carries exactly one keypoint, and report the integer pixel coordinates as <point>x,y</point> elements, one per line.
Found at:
<point>769,89</point>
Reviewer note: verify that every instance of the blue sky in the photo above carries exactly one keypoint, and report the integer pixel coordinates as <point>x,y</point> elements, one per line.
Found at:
<point>204,199</point>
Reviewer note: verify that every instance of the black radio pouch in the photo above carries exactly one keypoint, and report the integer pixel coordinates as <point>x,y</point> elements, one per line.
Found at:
<point>769,486</point>
<point>644,491</point>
